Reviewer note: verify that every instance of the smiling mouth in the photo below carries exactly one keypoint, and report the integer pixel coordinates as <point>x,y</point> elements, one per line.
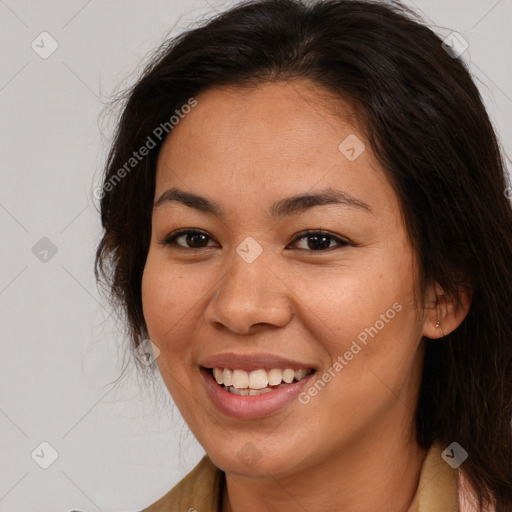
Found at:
<point>257,382</point>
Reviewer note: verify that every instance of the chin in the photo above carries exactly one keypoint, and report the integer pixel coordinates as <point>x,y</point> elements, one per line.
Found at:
<point>250,461</point>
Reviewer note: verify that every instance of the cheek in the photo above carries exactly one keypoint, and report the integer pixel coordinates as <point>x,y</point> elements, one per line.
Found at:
<point>165,300</point>
<point>369,331</point>
<point>155,298</point>
<point>172,301</point>
<point>366,322</point>
<point>377,360</point>
<point>346,303</point>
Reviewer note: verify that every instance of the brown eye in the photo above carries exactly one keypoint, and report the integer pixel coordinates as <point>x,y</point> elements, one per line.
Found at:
<point>192,239</point>
<point>318,241</point>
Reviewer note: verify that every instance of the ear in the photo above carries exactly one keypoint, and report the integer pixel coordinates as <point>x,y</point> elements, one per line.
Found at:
<point>444,313</point>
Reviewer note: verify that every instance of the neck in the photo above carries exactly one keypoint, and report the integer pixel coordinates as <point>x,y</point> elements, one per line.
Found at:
<point>373,474</point>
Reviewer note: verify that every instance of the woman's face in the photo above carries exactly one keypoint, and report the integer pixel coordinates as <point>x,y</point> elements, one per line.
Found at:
<point>252,283</point>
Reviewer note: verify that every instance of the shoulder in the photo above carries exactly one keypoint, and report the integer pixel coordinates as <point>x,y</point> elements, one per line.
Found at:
<point>199,490</point>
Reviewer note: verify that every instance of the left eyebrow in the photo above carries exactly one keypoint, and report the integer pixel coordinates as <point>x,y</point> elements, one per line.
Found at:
<point>283,208</point>
<point>300,203</point>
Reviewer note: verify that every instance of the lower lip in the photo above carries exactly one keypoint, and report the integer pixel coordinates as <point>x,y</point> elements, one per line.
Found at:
<point>250,407</point>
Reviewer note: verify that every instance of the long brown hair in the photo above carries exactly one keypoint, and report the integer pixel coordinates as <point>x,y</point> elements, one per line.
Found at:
<point>430,131</point>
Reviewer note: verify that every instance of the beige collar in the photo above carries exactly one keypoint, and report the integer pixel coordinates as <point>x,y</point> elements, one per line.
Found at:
<point>437,488</point>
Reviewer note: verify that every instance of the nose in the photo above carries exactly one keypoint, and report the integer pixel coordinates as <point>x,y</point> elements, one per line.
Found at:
<point>249,295</point>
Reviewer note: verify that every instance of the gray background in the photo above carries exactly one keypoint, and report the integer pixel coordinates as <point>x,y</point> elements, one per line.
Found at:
<point>118,446</point>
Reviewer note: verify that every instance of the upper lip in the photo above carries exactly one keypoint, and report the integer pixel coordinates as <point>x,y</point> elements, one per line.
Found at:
<point>249,362</point>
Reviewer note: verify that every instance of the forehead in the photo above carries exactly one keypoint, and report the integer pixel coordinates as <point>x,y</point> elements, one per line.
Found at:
<point>275,114</point>
<point>281,138</point>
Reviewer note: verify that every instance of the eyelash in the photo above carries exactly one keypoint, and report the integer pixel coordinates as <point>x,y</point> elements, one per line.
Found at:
<point>170,240</point>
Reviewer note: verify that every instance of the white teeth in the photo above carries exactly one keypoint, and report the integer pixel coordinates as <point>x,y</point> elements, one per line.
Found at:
<point>236,391</point>
<point>218,373</point>
<point>227,377</point>
<point>257,379</point>
<point>288,375</point>
<point>299,374</point>
<point>240,379</point>
<point>275,376</point>
<point>248,391</point>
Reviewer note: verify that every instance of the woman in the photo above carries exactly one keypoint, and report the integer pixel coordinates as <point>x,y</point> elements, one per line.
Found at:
<point>304,210</point>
